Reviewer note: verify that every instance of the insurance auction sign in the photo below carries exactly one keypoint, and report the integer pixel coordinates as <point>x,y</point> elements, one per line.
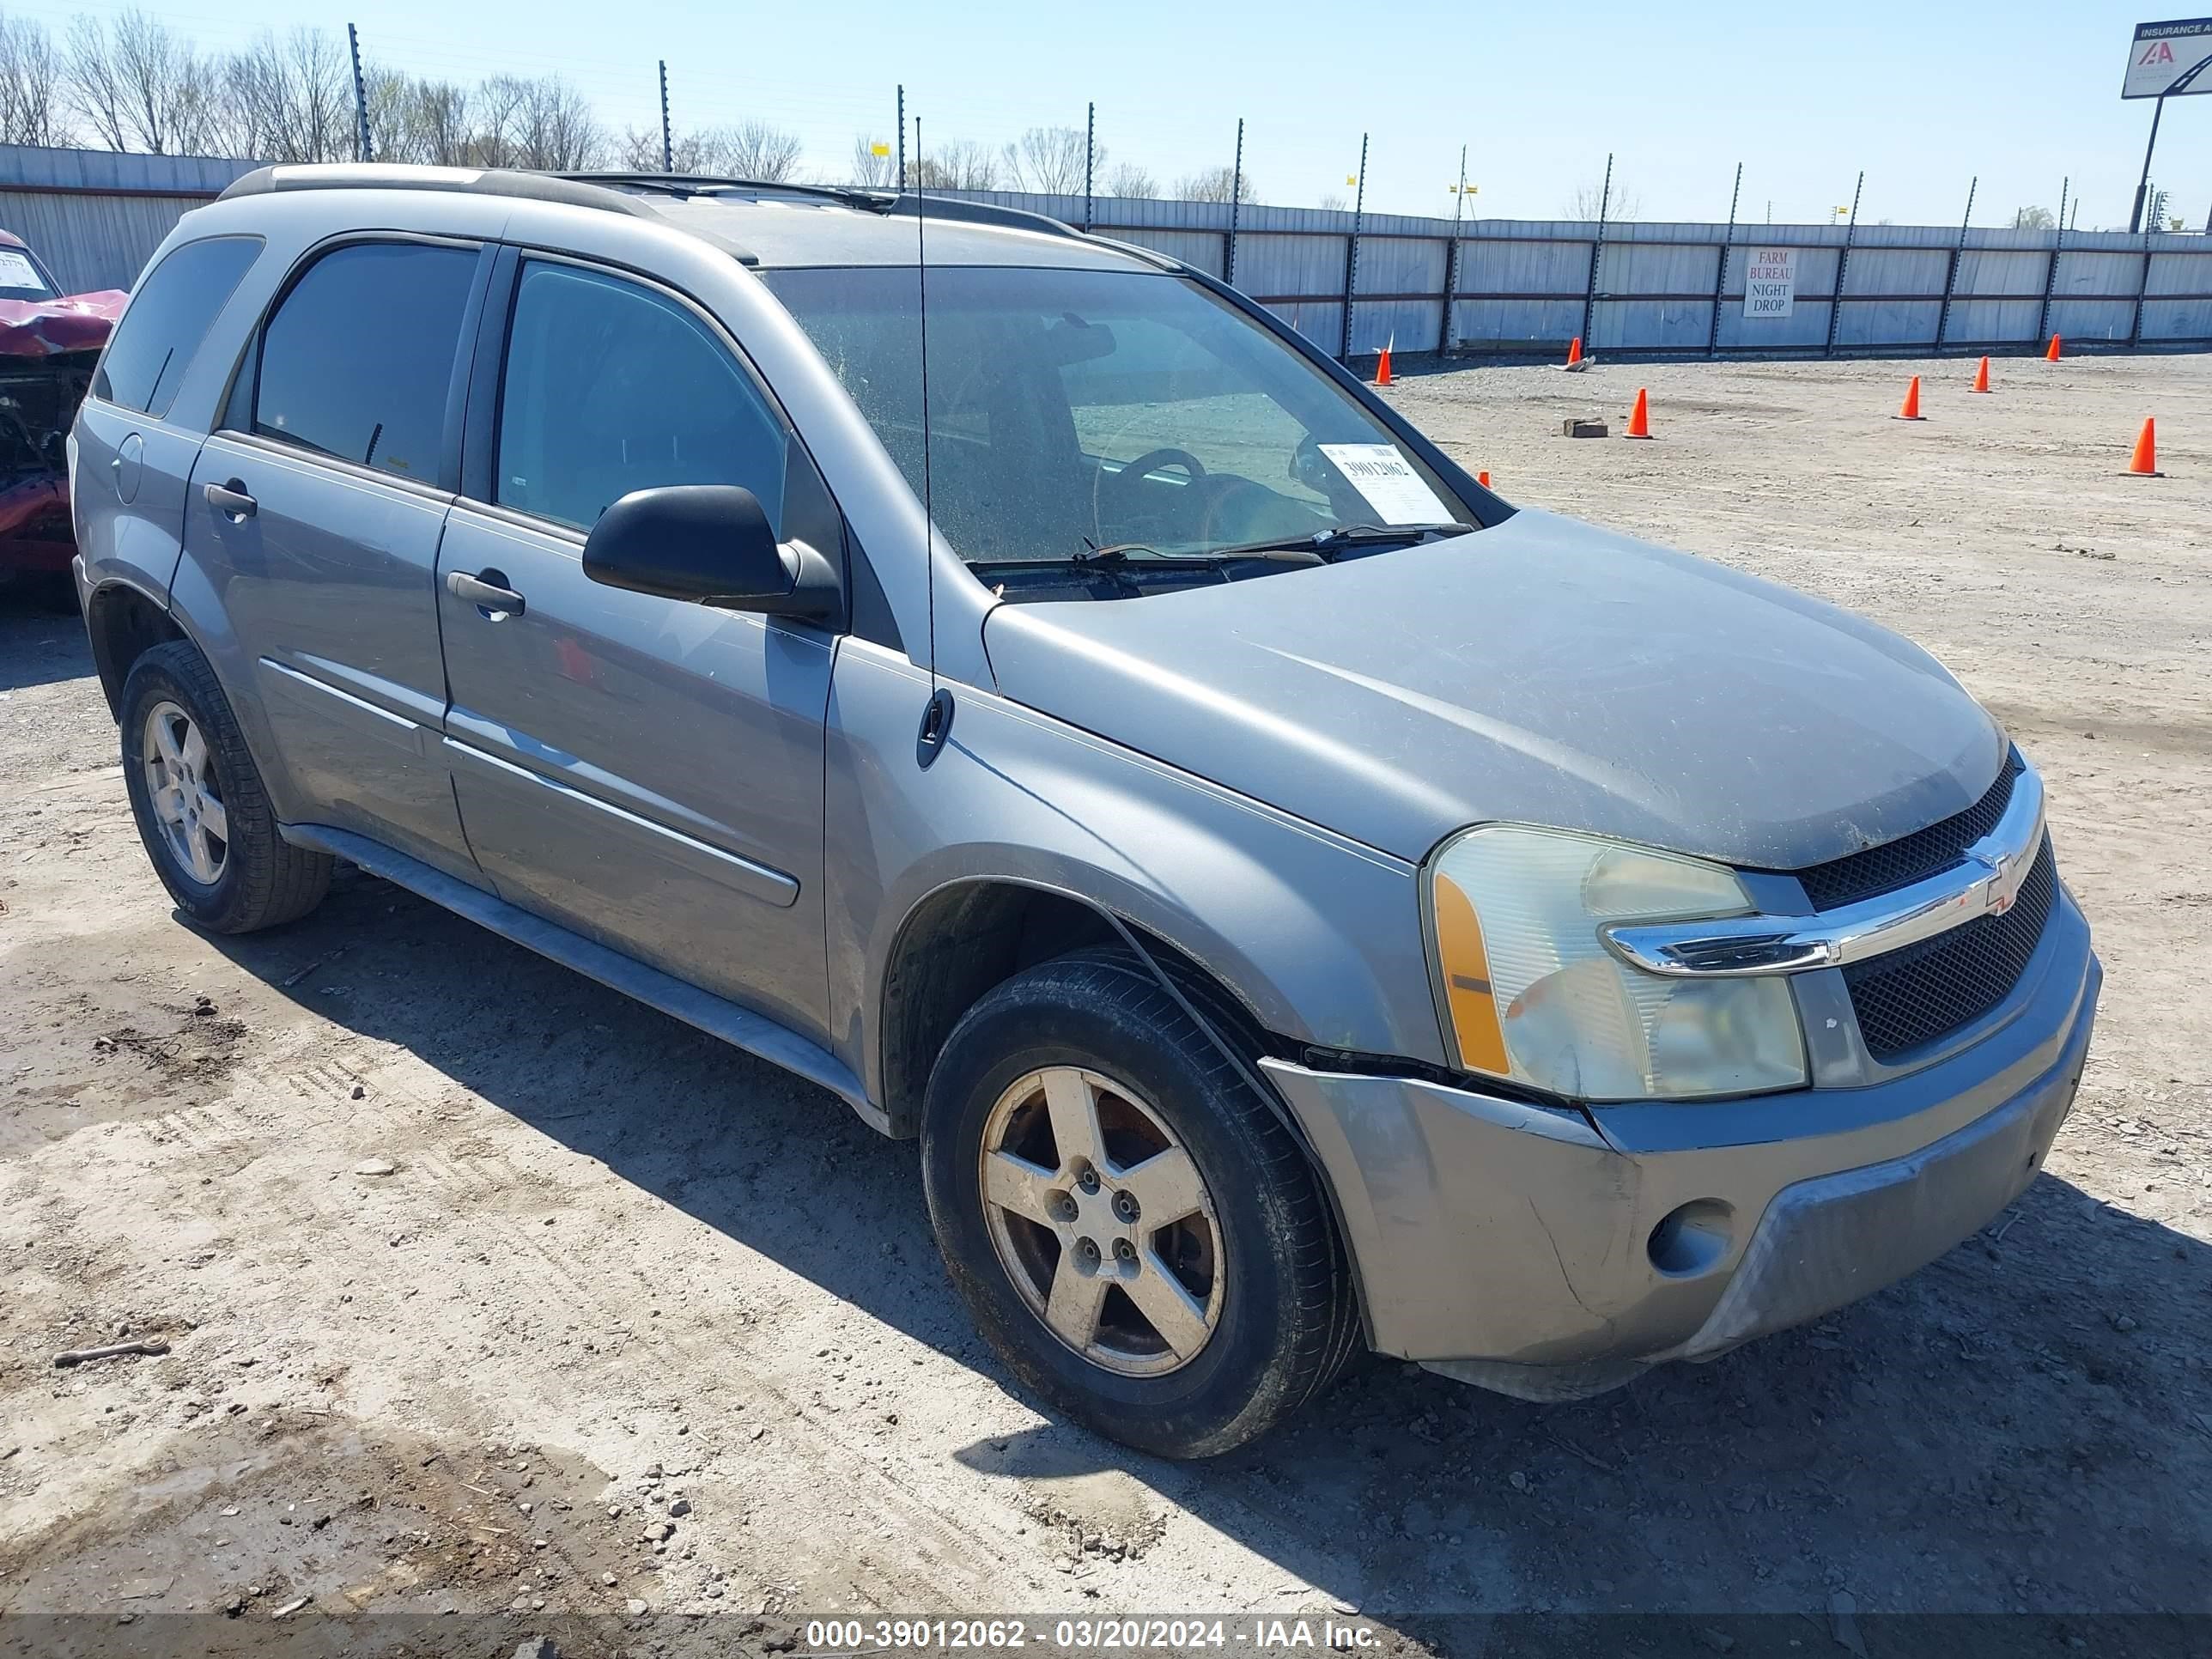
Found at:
<point>2167,60</point>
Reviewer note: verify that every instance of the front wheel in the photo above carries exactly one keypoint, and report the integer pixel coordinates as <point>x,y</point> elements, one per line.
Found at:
<point>1138,1236</point>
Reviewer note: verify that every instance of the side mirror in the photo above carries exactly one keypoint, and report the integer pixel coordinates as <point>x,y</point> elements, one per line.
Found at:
<point>709,544</point>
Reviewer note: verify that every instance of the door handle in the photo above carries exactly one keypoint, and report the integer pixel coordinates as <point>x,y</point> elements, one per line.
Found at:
<point>489,590</point>
<point>232,501</point>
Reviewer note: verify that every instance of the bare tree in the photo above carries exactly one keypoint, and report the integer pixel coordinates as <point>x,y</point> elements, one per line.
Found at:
<point>289,99</point>
<point>873,164</point>
<point>962,166</point>
<point>758,150</point>
<point>423,121</point>
<point>1333,201</point>
<point>696,151</point>
<point>2033,218</point>
<point>543,122</point>
<point>139,85</point>
<point>1130,180</point>
<point>1621,204</point>
<point>1051,159</point>
<point>30,74</point>
<point>1212,185</point>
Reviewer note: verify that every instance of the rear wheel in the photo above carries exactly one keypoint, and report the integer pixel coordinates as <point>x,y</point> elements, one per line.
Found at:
<point>1135,1232</point>
<point>199,803</point>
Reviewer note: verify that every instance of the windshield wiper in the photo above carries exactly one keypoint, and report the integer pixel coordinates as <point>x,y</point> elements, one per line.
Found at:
<point>1128,558</point>
<point>1321,543</point>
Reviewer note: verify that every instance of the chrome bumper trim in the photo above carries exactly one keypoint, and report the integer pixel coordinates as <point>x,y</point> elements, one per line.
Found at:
<point>1985,884</point>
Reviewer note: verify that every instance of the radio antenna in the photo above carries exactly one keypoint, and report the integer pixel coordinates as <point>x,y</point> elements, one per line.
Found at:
<point>937,718</point>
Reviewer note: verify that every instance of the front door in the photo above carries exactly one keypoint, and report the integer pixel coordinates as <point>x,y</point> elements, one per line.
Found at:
<point>317,510</point>
<point>646,771</point>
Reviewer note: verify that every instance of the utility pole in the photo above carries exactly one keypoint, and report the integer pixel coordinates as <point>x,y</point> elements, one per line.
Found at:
<point>1351,253</point>
<point>1235,192</point>
<point>667,133</point>
<point>364,149</point>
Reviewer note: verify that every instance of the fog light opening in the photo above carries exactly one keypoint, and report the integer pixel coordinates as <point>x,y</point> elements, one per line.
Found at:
<point>1693,1239</point>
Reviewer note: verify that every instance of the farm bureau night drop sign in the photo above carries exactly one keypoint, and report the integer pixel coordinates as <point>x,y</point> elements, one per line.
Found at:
<point>1769,281</point>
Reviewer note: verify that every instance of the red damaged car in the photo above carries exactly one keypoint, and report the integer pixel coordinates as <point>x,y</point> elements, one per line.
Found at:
<point>49,343</point>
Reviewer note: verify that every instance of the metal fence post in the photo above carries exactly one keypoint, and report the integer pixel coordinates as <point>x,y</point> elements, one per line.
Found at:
<point>1597,253</point>
<point>1843,266</point>
<point>901,137</point>
<point>1235,193</point>
<point>1351,253</point>
<point>1090,157</point>
<point>1451,257</point>
<point>1719,277</point>
<point>363,148</point>
<point>1951,277</point>
<point>2051,271</point>
<point>667,133</point>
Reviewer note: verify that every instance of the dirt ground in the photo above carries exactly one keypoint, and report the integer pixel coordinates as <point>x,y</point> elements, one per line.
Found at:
<point>635,1328</point>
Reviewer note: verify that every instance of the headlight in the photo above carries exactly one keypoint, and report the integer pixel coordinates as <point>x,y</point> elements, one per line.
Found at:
<point>1533,995</point>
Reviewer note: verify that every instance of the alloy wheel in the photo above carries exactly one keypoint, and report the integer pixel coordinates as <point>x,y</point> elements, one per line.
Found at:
<point>185,797</point>
<point>1102,1221</point>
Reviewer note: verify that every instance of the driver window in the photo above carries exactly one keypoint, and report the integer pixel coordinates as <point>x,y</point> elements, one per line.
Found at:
<point>611,387</point>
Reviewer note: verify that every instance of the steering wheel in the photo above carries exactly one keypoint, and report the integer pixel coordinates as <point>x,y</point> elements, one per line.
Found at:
<point>1135,471</point>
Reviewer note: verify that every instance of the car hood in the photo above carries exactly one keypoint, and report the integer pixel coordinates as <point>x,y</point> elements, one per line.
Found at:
<point>1540,672</point>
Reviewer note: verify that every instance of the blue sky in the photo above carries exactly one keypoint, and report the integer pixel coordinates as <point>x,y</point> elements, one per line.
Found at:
<point>1922,96</point>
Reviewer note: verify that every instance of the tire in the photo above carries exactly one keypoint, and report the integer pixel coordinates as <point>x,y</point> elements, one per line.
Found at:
<point>1260,1259</point>
<point>247,878</point>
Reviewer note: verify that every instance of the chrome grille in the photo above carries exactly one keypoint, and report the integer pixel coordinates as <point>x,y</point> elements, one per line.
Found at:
<point>1912,997</point>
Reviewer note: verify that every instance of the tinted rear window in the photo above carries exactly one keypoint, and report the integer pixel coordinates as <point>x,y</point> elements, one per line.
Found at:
<point>358,358</point>
<point>170,314</point>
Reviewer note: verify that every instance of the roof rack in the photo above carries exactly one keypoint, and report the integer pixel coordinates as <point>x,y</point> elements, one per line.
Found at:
<point>1011,218</point>
<point>708,184</point>
<point>478,181</point>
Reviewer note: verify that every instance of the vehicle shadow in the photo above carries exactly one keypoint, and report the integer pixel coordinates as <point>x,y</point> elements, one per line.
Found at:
<point>2026,1425</point>
<point>41,635</point>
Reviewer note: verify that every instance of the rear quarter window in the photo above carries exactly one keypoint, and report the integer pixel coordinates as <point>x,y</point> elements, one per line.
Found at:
<point>175,305</point>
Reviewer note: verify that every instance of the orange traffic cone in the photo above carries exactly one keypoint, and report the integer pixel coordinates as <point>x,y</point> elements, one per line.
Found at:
<point>1382,367</point>
<point>1483,479</point>
<point>1912,410</point>
<point>2051,355</point>
<point>2143,463</point>
<point>1574,351</point>
<point>1981,377</point>
<point>1639,418</point>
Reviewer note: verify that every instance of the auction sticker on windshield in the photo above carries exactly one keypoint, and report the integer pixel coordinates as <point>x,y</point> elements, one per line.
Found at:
<point>1387,479</point>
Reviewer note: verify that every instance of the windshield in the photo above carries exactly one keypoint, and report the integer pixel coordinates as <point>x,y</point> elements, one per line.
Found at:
<point>1073,411</point>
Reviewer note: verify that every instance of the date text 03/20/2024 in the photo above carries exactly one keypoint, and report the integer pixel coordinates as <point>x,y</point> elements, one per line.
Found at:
<point>827,1637</point>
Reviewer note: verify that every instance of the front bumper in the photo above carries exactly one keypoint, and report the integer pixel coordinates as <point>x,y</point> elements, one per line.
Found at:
<point>1553,1254</point>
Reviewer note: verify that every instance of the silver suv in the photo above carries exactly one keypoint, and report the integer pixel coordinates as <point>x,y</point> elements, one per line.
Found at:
<point>1014,681</point>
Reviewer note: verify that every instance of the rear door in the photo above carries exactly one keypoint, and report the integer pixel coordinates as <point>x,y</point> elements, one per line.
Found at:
<point>317,510</point>
<point>647,771</point>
